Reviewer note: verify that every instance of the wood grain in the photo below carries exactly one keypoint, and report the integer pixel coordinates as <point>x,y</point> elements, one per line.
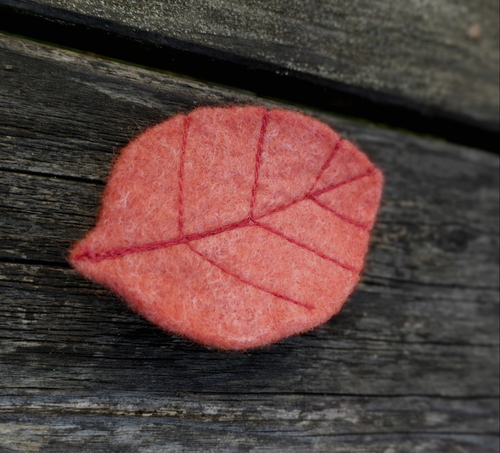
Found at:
<point>428,66</point>
<point>410,363</point>
<point>131,422</point>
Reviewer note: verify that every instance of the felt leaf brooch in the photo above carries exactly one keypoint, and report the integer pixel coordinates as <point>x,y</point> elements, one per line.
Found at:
<point>235,227</point>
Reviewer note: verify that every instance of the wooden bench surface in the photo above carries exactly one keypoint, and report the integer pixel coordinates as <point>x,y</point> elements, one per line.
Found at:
<point>410,364</point>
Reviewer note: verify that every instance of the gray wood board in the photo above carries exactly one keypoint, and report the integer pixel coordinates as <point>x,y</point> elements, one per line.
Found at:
<point>435,58</point>
<point>411,362</point>
<point>131,422</point>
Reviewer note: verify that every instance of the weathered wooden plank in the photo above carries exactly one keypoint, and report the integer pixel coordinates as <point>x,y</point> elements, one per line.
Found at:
<point>312,414</point>
<point>131,422</point>
<point>60,329</point>
<point>440,205</point>
<point>430,66</point>
<point>411,362</point>
<point>407,316</point>
<point>112,435</point>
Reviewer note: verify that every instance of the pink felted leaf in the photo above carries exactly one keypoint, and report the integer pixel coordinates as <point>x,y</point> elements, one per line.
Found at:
<point>235,227</point>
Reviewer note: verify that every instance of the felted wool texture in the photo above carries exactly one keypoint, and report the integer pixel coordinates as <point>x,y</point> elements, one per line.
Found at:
<point>235,227</point>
